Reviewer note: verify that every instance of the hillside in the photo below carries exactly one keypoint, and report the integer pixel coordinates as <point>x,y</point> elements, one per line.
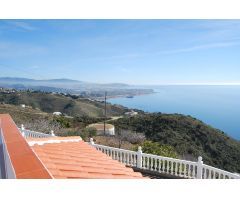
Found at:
<point>66,104</point>
<point>23,116</point>
<point>189,137</point>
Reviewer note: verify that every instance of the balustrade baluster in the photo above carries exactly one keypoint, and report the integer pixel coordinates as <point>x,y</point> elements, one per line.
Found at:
<point>172,171</point>
<point>156,161</point>
<point>164,165</point>
<point>160,166</point>
<point>111,154</point>
<point>214,175</point>
<point>188,175</point>
<point>167,171</point>
<point>148,162</point>
<point>180,169</point>
<point>132,160</point>
<point>176,168</point>
<point>205,173</point>
<point>194,171</point>
<point>151,163</point>
<point>143,162</point>
<point>114,155</point>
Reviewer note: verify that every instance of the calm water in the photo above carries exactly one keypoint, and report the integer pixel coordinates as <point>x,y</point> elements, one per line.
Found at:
<point>218,106</point>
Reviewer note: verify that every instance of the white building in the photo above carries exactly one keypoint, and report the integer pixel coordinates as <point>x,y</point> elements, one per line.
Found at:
<point>23,106</point>
<point>57,113</point>
<point>132,113</point>
<point>109,129</point>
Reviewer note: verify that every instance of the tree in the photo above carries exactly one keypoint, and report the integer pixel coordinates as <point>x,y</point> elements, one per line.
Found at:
<point>42,125</point>
<point>129,136</point>
<point>88,132</point>
<point>158,149</point>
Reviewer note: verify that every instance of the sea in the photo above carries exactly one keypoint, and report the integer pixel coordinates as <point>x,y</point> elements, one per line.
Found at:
<point>217,106</point>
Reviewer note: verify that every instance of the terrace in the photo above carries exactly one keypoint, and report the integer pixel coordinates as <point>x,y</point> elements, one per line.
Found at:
<point>30,154</point>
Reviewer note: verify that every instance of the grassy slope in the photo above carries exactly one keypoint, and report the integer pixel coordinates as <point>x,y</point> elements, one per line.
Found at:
<point>21,116</point>
<point>190,138</point>
<point>51,103</point>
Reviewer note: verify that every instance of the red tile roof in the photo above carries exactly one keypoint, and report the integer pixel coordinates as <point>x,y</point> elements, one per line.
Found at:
<point>58,157</point>
<point>24,161</point>
<point>80,160</point>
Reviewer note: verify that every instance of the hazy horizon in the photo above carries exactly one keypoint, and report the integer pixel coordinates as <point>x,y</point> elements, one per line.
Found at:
<point>162,84</point>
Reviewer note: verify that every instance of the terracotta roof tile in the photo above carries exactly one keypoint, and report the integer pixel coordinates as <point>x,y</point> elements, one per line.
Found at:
<point>80,160</point>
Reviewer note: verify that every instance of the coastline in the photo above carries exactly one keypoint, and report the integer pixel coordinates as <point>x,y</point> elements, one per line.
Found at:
<point>124,96</point>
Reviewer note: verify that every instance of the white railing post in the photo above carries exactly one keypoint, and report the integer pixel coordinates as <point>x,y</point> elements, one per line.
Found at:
<point>22,130</point>
<point>199,167</point>
<point>52,133</point>
<point>91,141</point>
<point>139,157</point>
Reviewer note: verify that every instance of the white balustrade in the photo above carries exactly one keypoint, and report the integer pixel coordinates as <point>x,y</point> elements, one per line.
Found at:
<point>172,166</point>
<point>210,172</point>
<point>165,165</point>
<point>34,134</point>
<point>124,156</point>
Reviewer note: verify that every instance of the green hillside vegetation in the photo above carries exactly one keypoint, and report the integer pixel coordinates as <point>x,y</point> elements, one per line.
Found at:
<point>188,136</point>
<point>68,105</point>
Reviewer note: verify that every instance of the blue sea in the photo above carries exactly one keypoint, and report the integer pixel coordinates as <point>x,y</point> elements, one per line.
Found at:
<point>218,106</point>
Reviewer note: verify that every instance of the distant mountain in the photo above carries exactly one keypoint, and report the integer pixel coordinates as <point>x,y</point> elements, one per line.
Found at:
<point>57,82</point>
<point>15,79</point>
<point>72,86</point>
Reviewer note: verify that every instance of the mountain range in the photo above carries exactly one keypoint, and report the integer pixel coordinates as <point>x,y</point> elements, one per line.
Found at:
<point>70,86</point>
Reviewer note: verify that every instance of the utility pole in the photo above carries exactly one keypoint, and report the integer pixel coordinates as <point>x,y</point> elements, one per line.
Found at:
<point>105,113</point>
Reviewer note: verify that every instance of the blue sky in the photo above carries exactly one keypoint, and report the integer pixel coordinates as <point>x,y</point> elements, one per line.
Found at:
<point>127,51</point>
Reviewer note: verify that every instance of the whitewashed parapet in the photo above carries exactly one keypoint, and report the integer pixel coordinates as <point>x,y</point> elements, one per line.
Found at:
<point>165,165</point>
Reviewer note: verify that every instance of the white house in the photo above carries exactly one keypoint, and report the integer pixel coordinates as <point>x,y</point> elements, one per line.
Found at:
<point>57,113</point>
<point>132,113</point>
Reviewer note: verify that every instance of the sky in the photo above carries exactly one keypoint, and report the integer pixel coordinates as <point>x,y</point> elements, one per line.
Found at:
<point>140,52</point>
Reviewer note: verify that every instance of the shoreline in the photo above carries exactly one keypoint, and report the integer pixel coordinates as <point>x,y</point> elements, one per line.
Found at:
<point>123,96</point>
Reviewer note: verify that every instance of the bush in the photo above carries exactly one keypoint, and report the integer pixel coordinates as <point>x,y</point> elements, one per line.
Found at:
<point>158,149</point>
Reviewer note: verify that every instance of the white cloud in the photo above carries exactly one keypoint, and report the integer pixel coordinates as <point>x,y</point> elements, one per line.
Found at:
<point>21,25</point>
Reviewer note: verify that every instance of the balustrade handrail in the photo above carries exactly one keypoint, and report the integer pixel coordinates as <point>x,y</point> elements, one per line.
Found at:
<point>167,165</point>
